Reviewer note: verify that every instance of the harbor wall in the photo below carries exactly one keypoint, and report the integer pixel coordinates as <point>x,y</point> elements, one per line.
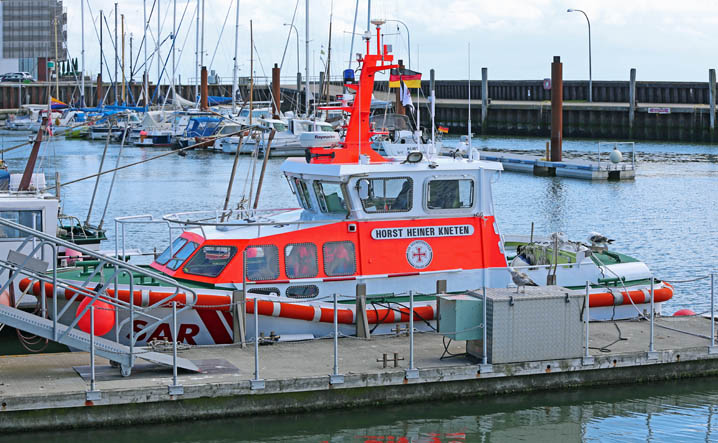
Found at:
<point>674,111</point>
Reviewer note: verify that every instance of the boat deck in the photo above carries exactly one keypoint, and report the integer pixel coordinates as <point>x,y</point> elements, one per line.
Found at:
<point>47,391</point>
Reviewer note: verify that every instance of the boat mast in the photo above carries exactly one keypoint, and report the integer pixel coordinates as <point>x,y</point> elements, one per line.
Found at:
<point>234,70</point>
<point>354,30</point>
<point>174,39</point>
<point>201,51</point>
<point>82,53</point>
<point>196,55</point>
<point>116,58</point>
<point>57,71</point>
<point>368,16</point>
<point>144,39</point>
<point>157,52</point>
<point>306,57</point>
<point>251,72</point>
<point>122,30</point>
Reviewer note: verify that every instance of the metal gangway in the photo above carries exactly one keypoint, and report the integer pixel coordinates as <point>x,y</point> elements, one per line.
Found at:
<point>40,265</point>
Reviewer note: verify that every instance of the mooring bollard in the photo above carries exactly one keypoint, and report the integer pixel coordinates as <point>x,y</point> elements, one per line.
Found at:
<point>93,394</point>
<point>412,372</point>
<point>174,389</point>
<point>256,383</point>
<point>336,378</point>
<point>587,359</point>
<point>652,354</point>
<point>713,349</point>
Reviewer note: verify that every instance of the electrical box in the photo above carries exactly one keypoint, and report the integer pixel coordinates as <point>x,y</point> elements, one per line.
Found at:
<point>545,323</point>
<point>460,316</point>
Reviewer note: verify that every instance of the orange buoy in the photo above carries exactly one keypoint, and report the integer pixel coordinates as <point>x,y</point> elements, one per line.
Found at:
<point>683,312</point>
<point>104,317</point>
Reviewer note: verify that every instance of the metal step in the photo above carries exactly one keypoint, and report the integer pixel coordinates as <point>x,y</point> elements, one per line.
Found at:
<point>78,339</point>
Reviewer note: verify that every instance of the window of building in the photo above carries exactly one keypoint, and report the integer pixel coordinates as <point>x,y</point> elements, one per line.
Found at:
<point>262,262</point>
<point>29,218</point>
<point>303,193</point>
<point>339,258</point>
<point>450,194</point>
<point>210,261</point>
<point>386,194</point>
<point>305,291</point>
<point>331,197</point>
<point>300,260</point>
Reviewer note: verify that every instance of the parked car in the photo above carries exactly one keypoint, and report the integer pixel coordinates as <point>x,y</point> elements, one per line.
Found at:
<point>23,77</point>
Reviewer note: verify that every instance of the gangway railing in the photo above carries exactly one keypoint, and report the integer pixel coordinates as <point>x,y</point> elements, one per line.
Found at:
<point>102,284</point>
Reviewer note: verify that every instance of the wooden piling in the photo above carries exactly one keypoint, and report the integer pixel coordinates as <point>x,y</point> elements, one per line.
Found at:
<point>398,107</point>
<point>276,91</point>
<point>98,91</point>
<point>484,98</point>
<point>203,90</point>
<point>556,109</point>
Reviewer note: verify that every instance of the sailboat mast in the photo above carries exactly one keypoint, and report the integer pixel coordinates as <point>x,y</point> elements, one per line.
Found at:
<point>144,39</point>
<point>57,71</point>
<point>196,55</point>
<point>101,51</point>
<point>116,56</point>
<point>201,49</point>
<point>82,53</point>
<point>157,51</point>
<point>174,39</point>
<point>122,21</point>
<point>354,30</point>
<point>234,70</point>
<point>306,58</point>
<point>368,16</point>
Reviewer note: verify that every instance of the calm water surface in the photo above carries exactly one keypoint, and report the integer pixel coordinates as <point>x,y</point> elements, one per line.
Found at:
<point>668,217</point>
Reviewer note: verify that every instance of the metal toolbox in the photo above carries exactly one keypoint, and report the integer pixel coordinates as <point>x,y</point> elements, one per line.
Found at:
<point>460,316</point>
<point>545,323</point>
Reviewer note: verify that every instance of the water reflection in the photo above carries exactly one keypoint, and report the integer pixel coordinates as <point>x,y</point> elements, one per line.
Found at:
<point>554,205</point>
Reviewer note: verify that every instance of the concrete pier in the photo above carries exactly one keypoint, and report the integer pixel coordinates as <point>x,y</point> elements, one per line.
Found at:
<point>48,391</point>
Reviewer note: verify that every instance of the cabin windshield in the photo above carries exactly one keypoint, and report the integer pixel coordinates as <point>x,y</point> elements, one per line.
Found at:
<point>279,127</point>
<point>302,193</point>
<point>331,197</point>
<point>210,261</point>
<point>393,194</point>
<point>450,194</point>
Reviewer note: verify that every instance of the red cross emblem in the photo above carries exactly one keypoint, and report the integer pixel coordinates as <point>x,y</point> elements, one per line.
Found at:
<point>419,254</point>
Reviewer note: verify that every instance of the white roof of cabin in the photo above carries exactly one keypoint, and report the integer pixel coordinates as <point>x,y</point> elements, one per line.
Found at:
<point>443,164</point>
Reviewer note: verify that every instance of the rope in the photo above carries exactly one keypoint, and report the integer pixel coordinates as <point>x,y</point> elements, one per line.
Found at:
<point>689,280</point>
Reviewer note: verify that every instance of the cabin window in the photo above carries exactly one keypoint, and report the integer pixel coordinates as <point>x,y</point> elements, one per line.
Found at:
<point>450,194</point>
<point>280,127</point>
<point>386,194</point>
<point>305,291</point>
<point>339,258</point>
<point>303,193</point>
<point>181,255</point>
<point>300,260</point>
<point>29,218</point>
<point>170,251</point>
<point>265,291</point>
<point>210,261</point>
<point>331,197</point>
<point>262,262</point>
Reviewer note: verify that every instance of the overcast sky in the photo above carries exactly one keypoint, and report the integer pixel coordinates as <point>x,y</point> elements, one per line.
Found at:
<point>515,39</point>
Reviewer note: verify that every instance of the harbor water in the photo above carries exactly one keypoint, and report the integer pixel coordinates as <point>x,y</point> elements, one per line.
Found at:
<point>667,217</point>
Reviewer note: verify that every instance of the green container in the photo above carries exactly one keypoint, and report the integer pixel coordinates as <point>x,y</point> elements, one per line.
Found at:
<point>460,317</point>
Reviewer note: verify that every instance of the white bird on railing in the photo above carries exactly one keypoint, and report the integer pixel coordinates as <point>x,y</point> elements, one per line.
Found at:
<point>521,279</point>
<point>599,239</point>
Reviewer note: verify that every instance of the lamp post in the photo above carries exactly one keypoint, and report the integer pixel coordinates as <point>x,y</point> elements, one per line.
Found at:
<point>297,32</point>
<point>408,37</point>
<point>590,82</point>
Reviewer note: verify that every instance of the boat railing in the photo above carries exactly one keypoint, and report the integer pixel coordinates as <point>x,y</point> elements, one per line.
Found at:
<point>109,283</point>
<point>142,219</point>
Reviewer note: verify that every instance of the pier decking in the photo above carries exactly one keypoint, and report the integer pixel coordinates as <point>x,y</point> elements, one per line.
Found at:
<point>46,391</point>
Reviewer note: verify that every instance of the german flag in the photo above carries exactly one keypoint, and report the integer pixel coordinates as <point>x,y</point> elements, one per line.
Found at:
<point>411,79</point>
<point>443,129</point>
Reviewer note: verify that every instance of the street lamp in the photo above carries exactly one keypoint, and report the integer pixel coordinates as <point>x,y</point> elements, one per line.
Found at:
<point>590,82</point>
<point>297,32</point>
<point>408,37</point>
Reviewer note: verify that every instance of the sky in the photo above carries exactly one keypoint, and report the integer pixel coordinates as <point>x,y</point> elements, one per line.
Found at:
<point>515,39</point>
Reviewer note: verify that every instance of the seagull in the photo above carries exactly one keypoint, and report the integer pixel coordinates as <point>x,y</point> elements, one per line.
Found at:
<point>599,239</point>
<point>521,279</point>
